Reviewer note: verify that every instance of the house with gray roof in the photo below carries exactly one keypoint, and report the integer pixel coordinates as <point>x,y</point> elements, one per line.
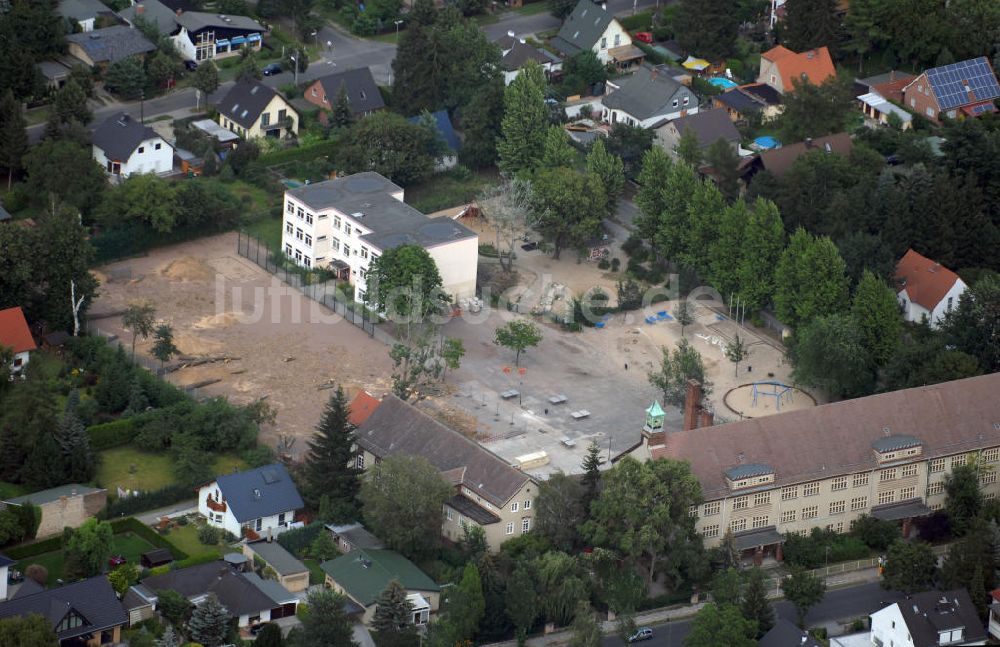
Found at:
<point>708,127</point>
<point>245,595</point>
<point>346,223</point>
<point>592,27</point>
<point>124,146</point>
<point>82,12</point>
<point>102,47</point>
<point>488,491</point>
<point>85,612</point>
<point>648,98</point>
<point>63,506</point>
<point>351,536</point>
<point>289,571</point>
<point>256,503</point>
<point>152,12</point>
<point>363,96</point>
<point>518,55</point>
<point>252,109</point>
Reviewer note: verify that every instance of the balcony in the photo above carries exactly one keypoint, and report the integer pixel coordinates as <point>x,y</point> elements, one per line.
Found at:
<point>215,506</point>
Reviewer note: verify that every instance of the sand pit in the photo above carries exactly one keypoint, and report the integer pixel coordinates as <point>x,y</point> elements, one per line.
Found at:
<point>187,268</point>
<point>771,397</point>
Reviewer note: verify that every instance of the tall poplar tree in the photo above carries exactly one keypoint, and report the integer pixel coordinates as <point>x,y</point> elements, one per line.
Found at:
<point>525,122</point>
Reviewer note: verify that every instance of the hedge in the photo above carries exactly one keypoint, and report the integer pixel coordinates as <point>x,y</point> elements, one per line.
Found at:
<point>133,525</point>
<point>25,551</point>
<point>146,501</point>
<point>638,22</point>
<point>298,539</point>
<point>300,153</point>
<point>112,434</point>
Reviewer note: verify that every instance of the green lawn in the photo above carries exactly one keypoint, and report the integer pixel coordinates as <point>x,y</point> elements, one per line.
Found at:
<point>11,490</point>
<point>133,469</point>
<point>267,230</point>
<point>532,9</point>
<point>316,574</point>
<point>128,545</point>
<point>446,190</point>
<point>186,539</point>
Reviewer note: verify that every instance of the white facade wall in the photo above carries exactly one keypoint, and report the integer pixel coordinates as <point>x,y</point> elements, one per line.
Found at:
<point>889,627</point>
<point>153,155</point>
<point>614,36</point>
<point>86,24</point>
<point>3,583</point>
<point>457,262</point>
<point>915,312</point>
<point>548,68</point>
<point>267,526</point>
<point>182,41</point>
<point>614,116</point>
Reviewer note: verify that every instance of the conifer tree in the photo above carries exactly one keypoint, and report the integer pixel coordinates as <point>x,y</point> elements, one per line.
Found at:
<point>591,476</point>
<point>13,135</point>
<point>610,169</point>
<point>341,116</point>
<point>209,623</point>
<point>330,468</point>
<point>71,436</point>
<point>557,150</point>
<point>169,638</point>
<point>392,611</point>
<point>755,605</point>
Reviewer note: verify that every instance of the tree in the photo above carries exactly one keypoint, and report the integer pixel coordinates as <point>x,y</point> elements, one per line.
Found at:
<point>643,509</point>
<point>322,548</point>
<point>521,601</point>
<point>650,197</point>
<point>138,319</point>
<point>525,122</point>
<point>507,208</point>
<point>974,325</point>
<point>763,239</point>
<point>722,157</point>
<point>170,638</point>
<point>13,135</point>
<point>561,8</point>
<point>66,170</point>
<point>32,630</point>
<point>676,370</point>
<point>963,498</point>
<point>624,591</point>
<point>581,72</point>
<point>688,149</point>
<point>815,110</point>
<point>755,605</point>
<point>330,468</point>
<point>393,613</point>
<point>630,143</point>
<point>910,567</point>
<point>809,280</point>
<point>707,28</point>
<point>324,621</point>
<point>387,143</point>
<point>971,564</point>
<point>162,69</point>
<point>481,118</point>
<point>561,584</point>
<point>163,343</point>
<point>726,585</point>
<point>737,351</point>
<point>452,352</point>
<point>683,314</point>
<point>87,548</point>
<point>126,78</point>
<point>568,208</point>
<point>610,169</point>
<point>722,624</point>
<point>404,283</point>
<point>517,335</point>
<point>147,199</point>
<point>828,354</point>
<point>466,605</point>
<point>557,150</point>
<point>173,606</point>
<point>206,79</point>
<point>269,636</point>
<point>123,577</point>
<point>591,478</point>
<point>804,590</point>
<point>586,631</point>
<point>403,498</point>
<point>341,115</point>
<point>78,461</point>
<point>559,510</point>
<point>809,24</point>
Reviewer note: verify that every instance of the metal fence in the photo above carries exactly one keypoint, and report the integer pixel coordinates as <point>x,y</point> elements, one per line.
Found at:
<point>324,292</point>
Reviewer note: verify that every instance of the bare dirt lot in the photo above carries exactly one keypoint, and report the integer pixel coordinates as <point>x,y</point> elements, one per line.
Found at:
<point>223,305</point>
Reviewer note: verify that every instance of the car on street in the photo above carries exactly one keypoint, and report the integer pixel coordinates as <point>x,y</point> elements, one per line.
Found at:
<point>642,633</point>
<point>191,65</point>
<point>272,69</point>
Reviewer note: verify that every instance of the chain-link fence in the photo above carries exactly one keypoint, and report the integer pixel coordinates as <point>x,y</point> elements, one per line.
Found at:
<point>324,292</point>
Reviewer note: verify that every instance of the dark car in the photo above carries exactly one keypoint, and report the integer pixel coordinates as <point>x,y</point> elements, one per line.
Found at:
<point>191,65</point>
<point>272,69</point>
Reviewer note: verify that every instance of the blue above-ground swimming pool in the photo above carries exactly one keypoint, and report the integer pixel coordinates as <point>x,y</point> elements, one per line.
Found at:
<point>767,142</point>
<point>722,82</point>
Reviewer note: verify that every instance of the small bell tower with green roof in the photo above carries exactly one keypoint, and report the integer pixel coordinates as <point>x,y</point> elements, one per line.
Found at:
<point>653,431</point>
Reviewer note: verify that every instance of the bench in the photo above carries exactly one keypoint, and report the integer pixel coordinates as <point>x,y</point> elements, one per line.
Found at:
<point>509,393</point>
<point>580,415</point>
<point>559,398</point>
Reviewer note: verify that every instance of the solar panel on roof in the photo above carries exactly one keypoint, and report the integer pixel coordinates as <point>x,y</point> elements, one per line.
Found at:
<point>952,83</point>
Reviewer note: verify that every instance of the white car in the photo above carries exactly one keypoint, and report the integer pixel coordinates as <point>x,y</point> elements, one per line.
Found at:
<point>642,633</point>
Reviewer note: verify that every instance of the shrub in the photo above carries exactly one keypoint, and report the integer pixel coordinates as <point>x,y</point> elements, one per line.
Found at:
<point>209,535</point>
<point>298,540</point>
<point>875,533</point>
<point>639,22</point>
<point>603,264</point>
<point>145,501</point>
<point>615,264</point>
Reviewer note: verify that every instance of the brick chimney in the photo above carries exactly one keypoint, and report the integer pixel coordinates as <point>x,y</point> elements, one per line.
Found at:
<point>140,9</point>
<point>706,419</point>
<point>692,404</point>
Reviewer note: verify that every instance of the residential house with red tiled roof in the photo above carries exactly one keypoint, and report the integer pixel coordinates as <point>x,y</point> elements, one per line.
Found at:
<point>925,289</point>
<point>362,406</point>
<point>780,66</point>
<point>15,335</point>
<point>963,89</point>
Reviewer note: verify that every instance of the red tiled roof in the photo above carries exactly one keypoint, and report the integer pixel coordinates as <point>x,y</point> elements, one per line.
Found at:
<point>925,281</point>
<point>14,331</point>
<point>814,66</point>
<point>780,160</point>
<point>362,406</point>
<point>835,439</point>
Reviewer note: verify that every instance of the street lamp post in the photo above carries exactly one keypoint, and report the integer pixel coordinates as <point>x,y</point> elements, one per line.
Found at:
<point>295,66</point>
<point>397,23</point>
<point>315,36</point>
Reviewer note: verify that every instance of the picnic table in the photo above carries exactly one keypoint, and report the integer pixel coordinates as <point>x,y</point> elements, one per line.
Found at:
<point>558,398</point>
<point>580,415</point>
<point>509,393</point>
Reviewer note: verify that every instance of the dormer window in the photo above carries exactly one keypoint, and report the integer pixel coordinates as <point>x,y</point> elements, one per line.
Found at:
<point>749,476</point>
<point>71,620</point>
<point>891,448</point>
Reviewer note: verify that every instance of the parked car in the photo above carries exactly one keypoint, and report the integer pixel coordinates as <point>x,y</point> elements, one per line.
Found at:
<point>115,561</point>
<point>644,36</point>
<point>191,65</point>
<point>642,633</point>
<point>272,69</point>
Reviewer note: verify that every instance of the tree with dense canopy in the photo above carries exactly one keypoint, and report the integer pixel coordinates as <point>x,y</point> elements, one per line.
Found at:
<point>517,335</point>
<point>804,590</point>
<point>388,144</point>
<point>963,497</point>
<point>330,469</point>
<point>707,28</point>
<point>568,207</point>
<point>809,280</point>
<point>911,567</point>
<point>405,284</point>
<point>676,369</point>
<point>525,122</point>
<point>716,625</point>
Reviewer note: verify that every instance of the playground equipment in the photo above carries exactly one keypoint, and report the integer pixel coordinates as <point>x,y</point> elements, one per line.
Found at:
<point>778,390</point>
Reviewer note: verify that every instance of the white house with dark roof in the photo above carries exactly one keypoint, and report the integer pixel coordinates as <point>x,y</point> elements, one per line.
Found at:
<point>252,109</point>
<point>346,223</point>
<point>648,98</point>
<point>488,491</point>
<point>255,503</point>
<point>516,54</point>
<point>124,146</point>
<point>929,619</point>
<point>82,12</point>
<point>592,27</point>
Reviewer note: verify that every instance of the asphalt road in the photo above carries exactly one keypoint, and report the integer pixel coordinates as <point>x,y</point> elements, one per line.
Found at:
<point>839,604</point>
